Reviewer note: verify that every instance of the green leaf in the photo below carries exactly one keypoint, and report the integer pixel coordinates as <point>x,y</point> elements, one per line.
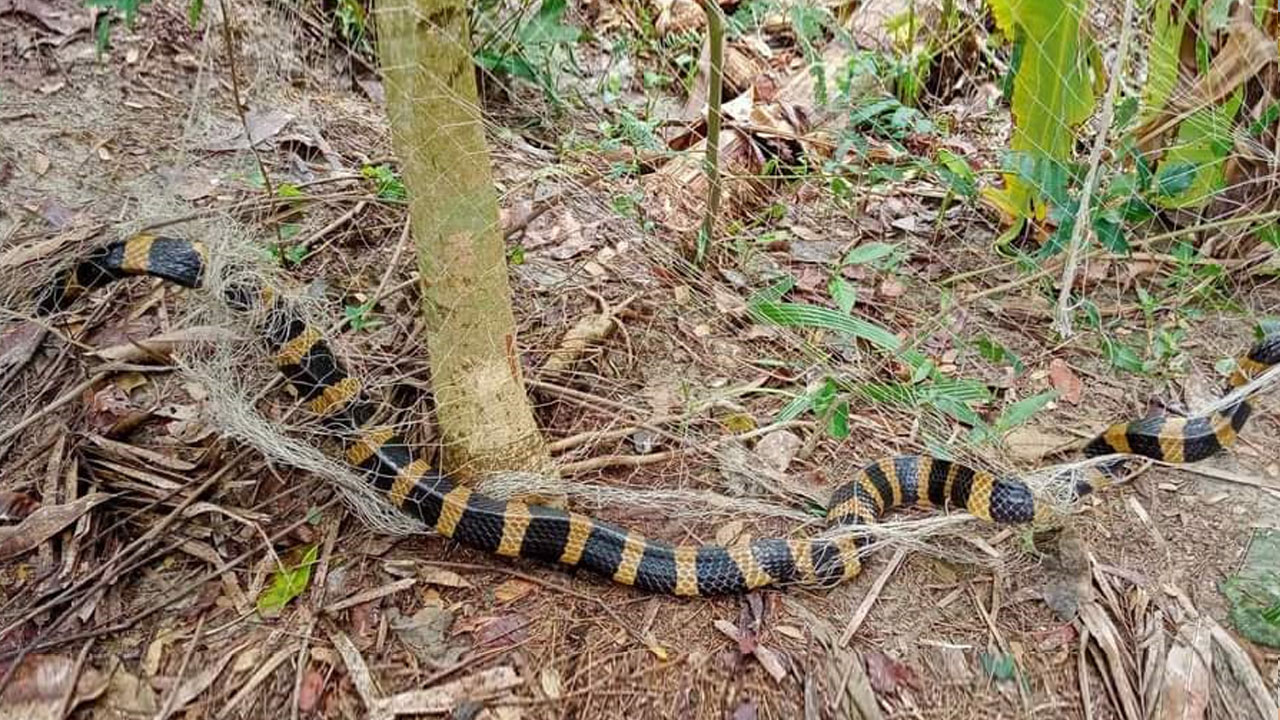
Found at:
<point>1254,592</point>
<point>287,583</point>
<point>957,173</point>
<point>1174,179</point>
<point>1204,142</point>
<point>389,186</point>
<point>295,254</point>
<point>357,316</point>
<point>195,8</point>
<point>843,293</point>
<point>1122,356</point>
<point>999,667</point>
<point>1052,90</point>
<point>1110,233</point>
<point>800,315</point>
<point>1021,411</point>
<point>1163,55</point>
<point>838,426</point>
<point>868,253</point>
<point>998,354</point>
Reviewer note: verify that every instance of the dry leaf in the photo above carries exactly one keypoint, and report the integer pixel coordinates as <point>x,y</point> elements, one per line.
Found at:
<point>43,524</point>
<point>887,675</point>
<point>165,343</point>
<point>503,631</point>
<point>263,124</point>
<point>433,575</point>
<point>18,344</point>
<point>891,288</point>
<point>778,449</point>
<point>426,633</point>
<point>310,693</point>
<point>727,533</point>
<point>1066,382</point>
<point>41,683</point>
<point>511,590</point>
<point>549,678</point>
<point>1032,445</point>
<point>1187,675</point>
<point>16,506</point>
<point>129,696</point>
<point>771,662</point>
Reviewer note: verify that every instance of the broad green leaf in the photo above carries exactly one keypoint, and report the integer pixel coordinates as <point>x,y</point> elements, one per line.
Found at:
<point>998,354</point>
<point>1205,140</point>
<point>1052,91</point>
<point>868,253</point>
<point>1254,592</point>
<point>1110,233</point>
<point>799,315</point>
<point>1021,411</point>
<point>1122,356</point>
<point>287,583</point>
<point>1163,55</point>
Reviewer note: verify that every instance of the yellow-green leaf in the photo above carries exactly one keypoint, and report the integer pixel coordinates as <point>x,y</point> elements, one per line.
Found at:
<point>1053,92</point>
<point>287,583</point>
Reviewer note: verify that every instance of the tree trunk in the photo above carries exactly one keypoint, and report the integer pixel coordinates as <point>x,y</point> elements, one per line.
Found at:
<point>484,414</point>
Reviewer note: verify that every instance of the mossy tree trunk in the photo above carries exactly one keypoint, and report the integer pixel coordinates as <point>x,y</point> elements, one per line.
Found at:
<point>483,411</point>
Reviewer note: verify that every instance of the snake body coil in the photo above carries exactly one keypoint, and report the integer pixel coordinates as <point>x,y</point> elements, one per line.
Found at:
<point>512,528</point>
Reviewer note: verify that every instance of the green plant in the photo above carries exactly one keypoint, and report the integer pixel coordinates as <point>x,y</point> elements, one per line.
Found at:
<point>359,316</point>
<point>1052,93</point>
<point>352,20</point>
<point>388,184</point>
<point>127,9</point>
<point>527,47</point>
<point>288,582</point>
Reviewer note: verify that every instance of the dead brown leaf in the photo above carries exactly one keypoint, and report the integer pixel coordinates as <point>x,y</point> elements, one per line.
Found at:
<point>43,524</point>
<point>1187,674</point>
<point>1032,445</point>
<point>311,692</point>
<point>1066,382</point>
<point>502,631</point>
<point>888,675</point>
<point>263,125</point>
<point>15,506</point>
<point>42,682</point>
<point>433,575</point>
<point>513,589</point>
<point>18,344</point>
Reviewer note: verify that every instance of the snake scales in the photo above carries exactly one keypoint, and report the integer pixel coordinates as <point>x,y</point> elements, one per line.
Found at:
<point>513,528</point>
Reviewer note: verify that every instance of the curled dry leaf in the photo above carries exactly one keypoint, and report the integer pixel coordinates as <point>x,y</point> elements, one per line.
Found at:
<point>43,524</point>
<point>1032,445</point>
<point>1187,677</point>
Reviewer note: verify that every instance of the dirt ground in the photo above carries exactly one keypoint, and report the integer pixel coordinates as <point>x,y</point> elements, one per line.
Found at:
<point>149,596</point>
